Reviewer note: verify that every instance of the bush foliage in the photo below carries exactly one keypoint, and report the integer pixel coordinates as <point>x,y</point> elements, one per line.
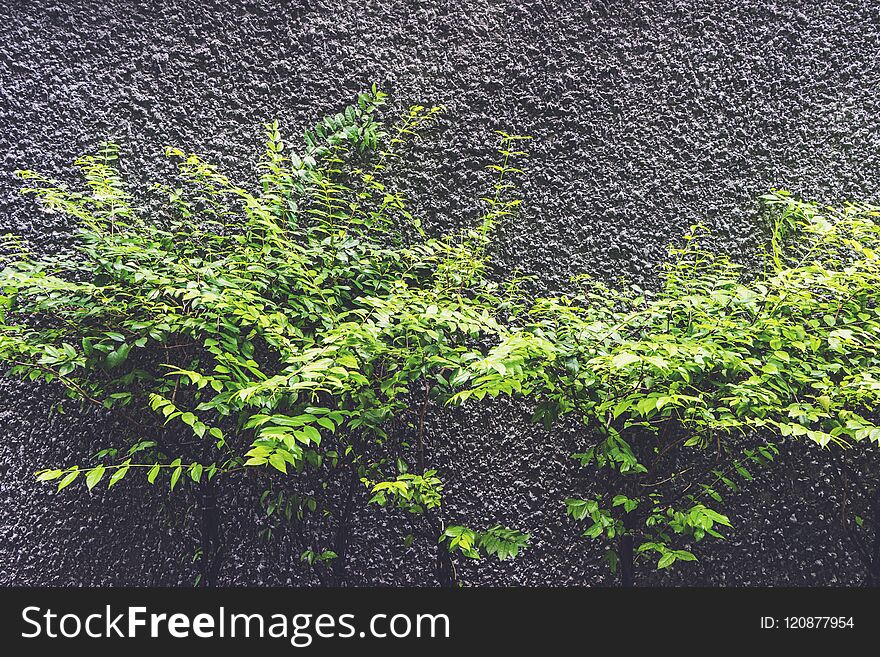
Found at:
<point>286,330</point>
<point>716,359</point>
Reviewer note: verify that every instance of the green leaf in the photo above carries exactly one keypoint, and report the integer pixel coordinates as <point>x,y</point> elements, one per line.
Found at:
<point>326,423</point>
<point>594,531</point>
<point>118,356</point>
<point>68,479</point>
<point>49,475</point>
<point>175,475</point>
<point>312,434</point>
<point>117,476</point>
<point>666,560</point>
<point>612,560</point>
<point>621,407</point>
<point>277,461</point>
<point>153,473</point>
<point>624,359</point>
<point>94,476</point>
<point>684,555</point>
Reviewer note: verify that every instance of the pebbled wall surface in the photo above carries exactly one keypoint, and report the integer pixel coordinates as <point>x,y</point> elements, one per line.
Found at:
<point>647,116</point>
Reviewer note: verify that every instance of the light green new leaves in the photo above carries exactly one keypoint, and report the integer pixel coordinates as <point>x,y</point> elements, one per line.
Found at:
<point>94,476</point>
<point>498,541</point>
<point>622,360</point>
<point>176,472</point>
<point>68,479</point>
<point>49,475</point>
<point>119,474</point>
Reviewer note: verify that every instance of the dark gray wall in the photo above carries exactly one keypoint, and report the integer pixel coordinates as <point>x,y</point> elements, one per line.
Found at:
<point>647,117</point>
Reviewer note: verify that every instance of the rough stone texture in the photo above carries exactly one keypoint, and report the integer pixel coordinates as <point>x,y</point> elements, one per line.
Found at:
<point>647,117</point>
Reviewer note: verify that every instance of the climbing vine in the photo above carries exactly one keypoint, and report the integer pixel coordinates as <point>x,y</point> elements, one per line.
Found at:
<point>301,331</point>
<point>685,389</point>
<point>275,330</point>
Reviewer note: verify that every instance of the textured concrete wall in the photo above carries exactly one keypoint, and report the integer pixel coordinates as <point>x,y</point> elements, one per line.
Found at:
<point>648,116</point>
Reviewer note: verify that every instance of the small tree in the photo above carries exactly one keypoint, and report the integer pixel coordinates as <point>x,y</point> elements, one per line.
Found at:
<point>683,389</point>
<point>246,333</point>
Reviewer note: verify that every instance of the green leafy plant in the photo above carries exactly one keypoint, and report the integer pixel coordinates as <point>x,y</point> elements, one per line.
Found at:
<point>248,333</point>
<point>298,335</point>
<point>422,495</point>
<point>685,388</point>
<point>464,313</point>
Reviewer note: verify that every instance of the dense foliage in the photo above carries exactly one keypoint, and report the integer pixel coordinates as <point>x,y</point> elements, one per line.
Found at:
<point>716,360</point>
<point>304,330</point>
<point>283,329</point>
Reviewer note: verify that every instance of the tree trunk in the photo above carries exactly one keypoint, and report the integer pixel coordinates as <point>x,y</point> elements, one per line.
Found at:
<point>626,560</point>
<point>210,536</point>
<point>626,554</point>
<point>443,568</point>
<point>340,544</point>
<point>445,572</point>
<point>874,567</point>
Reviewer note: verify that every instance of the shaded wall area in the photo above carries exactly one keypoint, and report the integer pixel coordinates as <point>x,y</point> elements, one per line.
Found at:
<point>647,117</point>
